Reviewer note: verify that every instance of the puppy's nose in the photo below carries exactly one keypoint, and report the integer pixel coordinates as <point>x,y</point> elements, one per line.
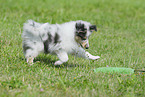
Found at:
<point>87,47</point>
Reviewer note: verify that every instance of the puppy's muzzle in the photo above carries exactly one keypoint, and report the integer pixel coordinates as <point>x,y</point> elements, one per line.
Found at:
<point>85,44</point>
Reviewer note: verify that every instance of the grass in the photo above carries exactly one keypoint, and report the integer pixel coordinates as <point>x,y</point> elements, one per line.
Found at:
<point>120,42</point>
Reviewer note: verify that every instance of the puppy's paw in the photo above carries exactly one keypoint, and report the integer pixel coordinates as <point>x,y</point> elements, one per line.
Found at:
<point>89,56</point>
<point>58,63</point>
<point>30,60</point>
<point>95,57</point>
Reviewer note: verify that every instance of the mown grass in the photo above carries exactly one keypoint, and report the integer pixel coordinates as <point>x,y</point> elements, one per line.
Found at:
<point>120,41</point>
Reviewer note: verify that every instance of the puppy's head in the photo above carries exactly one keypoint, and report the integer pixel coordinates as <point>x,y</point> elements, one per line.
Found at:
<point>83,31</point>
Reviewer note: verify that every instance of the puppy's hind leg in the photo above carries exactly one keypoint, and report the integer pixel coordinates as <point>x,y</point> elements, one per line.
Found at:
<point>30,54</point>
<point>32,49</point>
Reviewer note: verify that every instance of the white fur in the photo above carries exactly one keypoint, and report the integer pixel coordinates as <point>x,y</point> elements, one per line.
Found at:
<point>35,34</point>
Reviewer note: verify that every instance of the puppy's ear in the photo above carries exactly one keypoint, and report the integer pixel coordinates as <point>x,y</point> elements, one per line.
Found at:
<point>93,28</point>
<point>79,27</point>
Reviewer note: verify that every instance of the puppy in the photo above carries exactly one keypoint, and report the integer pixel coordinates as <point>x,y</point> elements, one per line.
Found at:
<point>60,39</point>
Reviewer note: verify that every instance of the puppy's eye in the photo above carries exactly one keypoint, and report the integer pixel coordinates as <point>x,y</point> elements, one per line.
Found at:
<point>85,29</point>
<point>82,35</point>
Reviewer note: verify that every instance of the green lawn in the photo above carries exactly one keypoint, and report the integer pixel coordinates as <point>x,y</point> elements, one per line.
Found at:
<point>120,42</point>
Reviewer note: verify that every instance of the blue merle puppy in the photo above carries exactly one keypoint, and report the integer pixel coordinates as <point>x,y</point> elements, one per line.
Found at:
<point>60,39</point>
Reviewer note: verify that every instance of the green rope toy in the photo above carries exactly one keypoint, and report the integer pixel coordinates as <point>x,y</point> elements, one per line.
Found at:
<point>120,70</point>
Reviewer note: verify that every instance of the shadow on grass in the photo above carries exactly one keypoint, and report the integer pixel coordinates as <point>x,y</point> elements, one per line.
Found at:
<point>65,65</point>
<point>50,62</point>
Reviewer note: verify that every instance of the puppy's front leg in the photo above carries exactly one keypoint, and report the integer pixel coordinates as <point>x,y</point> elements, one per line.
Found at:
<point>89,56</point>
<point>63,57</point>
<point>82,53</point>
